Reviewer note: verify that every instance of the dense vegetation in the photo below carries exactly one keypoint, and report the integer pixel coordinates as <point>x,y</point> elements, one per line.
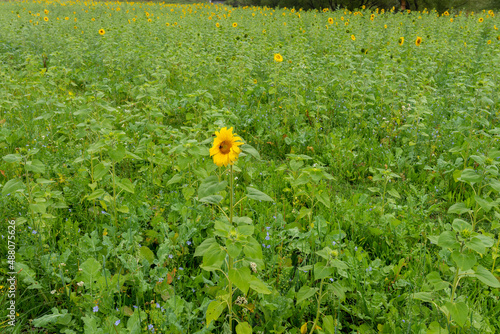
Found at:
<point>365,199</point>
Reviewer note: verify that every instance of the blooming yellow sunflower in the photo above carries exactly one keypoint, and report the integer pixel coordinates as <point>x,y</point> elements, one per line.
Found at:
<point>451,20</point>
<point>498,37</point>
<point>235,24</point>
<point>489,41</point>
<point>446,13</point>
<point>92,19</point>
<point>217,25</point>
<point>225,150</point>
<point>385,26</point>
<point>101,32</point>
<point>46,19</point>
<point>401,40</point>
<point>66,18</point>
<point>330,20</point>
<point>353,37</point>
<point>46,11</point>
<point>278,58</point>
<point>418,41</point>
<point>480,20</point>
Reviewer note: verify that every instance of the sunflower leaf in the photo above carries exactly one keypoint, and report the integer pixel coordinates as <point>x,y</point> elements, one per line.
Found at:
<point>257,195</point>
<point>250,150</point>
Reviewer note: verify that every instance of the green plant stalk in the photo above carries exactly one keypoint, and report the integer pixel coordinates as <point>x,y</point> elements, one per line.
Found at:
<point>319,305</point>
<point>230,264</point>
<point>114,197</point>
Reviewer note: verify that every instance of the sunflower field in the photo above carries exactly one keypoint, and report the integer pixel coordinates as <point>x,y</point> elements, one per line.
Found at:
<point>201,168</point>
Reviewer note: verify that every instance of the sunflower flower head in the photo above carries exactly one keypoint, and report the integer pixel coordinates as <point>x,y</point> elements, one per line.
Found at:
<point>225,149</point>
<point>401,40</point>
<point>418,41</point>
<point>101,32</point>
<point>278,58</point>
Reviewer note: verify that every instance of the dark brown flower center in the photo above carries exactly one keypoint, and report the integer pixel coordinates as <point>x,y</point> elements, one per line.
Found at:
<point>224,147</point>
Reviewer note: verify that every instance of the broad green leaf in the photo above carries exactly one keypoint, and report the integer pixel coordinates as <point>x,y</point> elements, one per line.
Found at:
<point>243,328</point>
<point>486,277</point>
<point>91,271</point>
<point>44,181</point>
<point>476,244</point>
<point>175,179</point>
<point>250,150</point>
<point>207,243</point>
<point>147,254</point>
<point>435,279</point>
<point>241,277</point>
<point>117,154</point>
<point>126,185</point>
<point>214,310</point>
<point>329,325</point>
<point>423,296</point>
<point>96,194</point>
<point>213,257</point>
<point>258,286</point>
<point>470,176</point>
<point>495,185</point>
<point>486,240</point>
<point>38,208</point>
<point>339,264</point>
<point>35,166</point>
<point>100,170</point>
<point>484,203</point>
<point>12,186</point>
<point>448,239</point>
<point>459,225</point>
<point>242,220</point>
<point>257,195</point>
<point>305,292</point>
<point>394,193</point>
<point>55,318</point>
<point>211,186</point>
<point>188,192</point>
<point>233,248</point>
<point>12,158</point>
<point>458,208</point>
<point>338,290</point>
<point>458,311</point>
<point>212,199</point>
<point>253,251</point>
<point>322,271</point>
<point>323,198</point>
<point>464,261</point>
<point>435,328</point>
<point>123,209</point>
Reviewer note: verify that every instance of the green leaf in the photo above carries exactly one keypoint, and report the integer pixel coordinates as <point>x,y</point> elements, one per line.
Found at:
<point>213,257</point>
<point>470,176</point>
<point>55,318</point>
<point>214,310</point>
<point>123,209</point>
<point>147,254</point>
<point>12,186</point>
<point>459,208</point>
<point>96,194</point>
<point>126,185</point>
<point>448,239</point>
<point>423,296</point>
<point>250,150</point>
<point>117,154</point>
<point>243,328</point>
<point>210,186</point>
<point>35,166</point>
<point>464,261</point>
<point>322,271</point>
<point>100,170</point>
<point>476,244</point>
<point>329,324</point>
<point>212,199</point>
<point>484,203</point>
<point>90,273</point>
<point>394,193</point>
<point>435,328</point>
<point>241,278</point>
<point>258,286</point>
<point>305,292</point>
<point>458,311</point>
<point>253,251</point>
<point>206,244</point>
<point>486,277</point>
<point>459,225</point>
<point>257,195</point>
<point>233,248</point>
<point>175,179</point>
<point>38,208</point>
<point>495,185</point>
<point>12,158</point>
<point>323,198</point>
<point>435,279</point>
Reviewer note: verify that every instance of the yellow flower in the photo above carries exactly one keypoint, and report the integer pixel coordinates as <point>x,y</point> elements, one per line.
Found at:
<point>489,41</point>
<point>255,81</point>
<point>235,24</point>
<point>446,13</point>
<point>330,20</point>
<point>353,37</point>
<point>46,19</point>
<point>217,25</point>
<point>46,11</point>
<point>480,20</point>
<point>418,41</point>
<point>66,18</point>
<point>92,19</point>
<point>149,20</point>
<point>401,40</point>
<point>385,26</point>
<point>451,20</point>
<point>167,24</point>
<point>278,58</point>
<point>325,10</point>
<point>498,37</point>
<point>225,148</point>
<point>495,27</point>
<point>101,32</point>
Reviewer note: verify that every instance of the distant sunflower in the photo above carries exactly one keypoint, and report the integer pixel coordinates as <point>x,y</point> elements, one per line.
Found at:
<point>385,26</point>
<point>46,11</point>
<point>498,37</point>
<point>66,18</point>
<point>217,25</point>
<point>480,20</point>
<point>167,24</point>
<point>92,19</point>
<point>451,20</point>
<point>446,13</point>
<point>101,32</point>
<point>225,150</point>
<point>330,20</point>
<point>235,24</point>
<point>278,58</point>
<point>418,41</point>
<point>401,40</point>
<point>353,37</point>
<point>489,41</point>
<point>46,19</point>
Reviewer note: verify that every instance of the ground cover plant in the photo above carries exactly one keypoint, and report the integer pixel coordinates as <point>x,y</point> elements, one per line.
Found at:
<point>208,169</point>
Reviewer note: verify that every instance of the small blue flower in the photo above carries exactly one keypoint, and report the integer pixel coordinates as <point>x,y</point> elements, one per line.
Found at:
<point>157,305</point>
<point>34,232</point>
<point>331,279</point>
<point>95,309</point>
<point>334,243</point>
<point>170,256</point>
<point>117,322</point>
<point>160,280</point>
<point>151,328</point>
<point>188,242</point>
<point>356,248</point>
<point>267,237</point>
<point>134,306</point>
<point>268,246</point>
<point>180,268</point>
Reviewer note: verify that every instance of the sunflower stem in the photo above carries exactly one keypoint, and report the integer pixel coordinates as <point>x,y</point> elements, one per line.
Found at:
<point>230,264</point>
